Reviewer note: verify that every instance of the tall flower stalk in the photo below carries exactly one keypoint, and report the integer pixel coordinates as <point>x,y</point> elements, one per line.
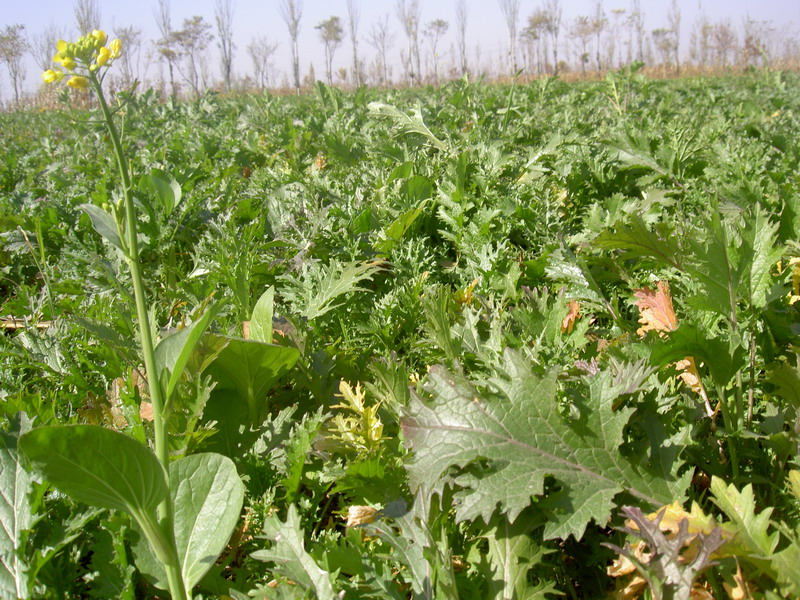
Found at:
<point>84,64</point>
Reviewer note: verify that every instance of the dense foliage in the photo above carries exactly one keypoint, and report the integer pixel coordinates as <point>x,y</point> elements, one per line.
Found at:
<point>495,337</point>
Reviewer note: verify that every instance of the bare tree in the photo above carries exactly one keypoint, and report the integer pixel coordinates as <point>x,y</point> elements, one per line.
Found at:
<point>553,10</point>
<point>353,17</point>
<point>636,24</point>
<point>434,31</point>
<point>723,38</point>
<point>193,39</point>
<point>409,19</point>
<point>331,34</point>
<point>510,10</point>
<point>223,15</point>
<point>12,48</point>
<point>261,51</point>
<point>599,22</point>
<point>616,37</point>
<point>131,38</point>
<point>42,46</point>
<point>87,16</point>
<point>381,39</point>
<point>535,42</point>
<point>674,20</point>
<point>664,42</point>
<point>166,45</point>
<point>291,13</point>
<point>582,31</point>
<point>461,34</point>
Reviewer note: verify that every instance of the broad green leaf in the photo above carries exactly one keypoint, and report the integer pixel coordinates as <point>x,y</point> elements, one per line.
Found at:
<point>166,191</point>
<point>751,529</point>
<point>261,320</point>
<point>519,432</point>
<point>103,223</point>
<point>97,466</point>
<point>290,557</point>
<point>172,353</point>
<point>637,240</point>
<point>15,511</point>
<point>251,368</point>
<point>207,495</point>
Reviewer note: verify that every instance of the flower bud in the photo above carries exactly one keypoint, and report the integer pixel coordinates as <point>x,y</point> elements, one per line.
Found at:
<point>100,37</point>
<point>102,56</point>
<point>78,82</point>
<point>68,63</point>
<point>50,75</point>
<point>115,47</point>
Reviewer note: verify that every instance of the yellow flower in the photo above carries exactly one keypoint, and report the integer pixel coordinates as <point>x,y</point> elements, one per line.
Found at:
<point>68,63</point>
<point>50,76</point>
<point>102,56</point>
<point>116,48</point>
<point>99,36</point>
<point>78,82</point>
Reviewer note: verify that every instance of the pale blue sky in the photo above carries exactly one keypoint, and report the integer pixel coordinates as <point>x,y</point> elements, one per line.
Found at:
<point>485,28</point>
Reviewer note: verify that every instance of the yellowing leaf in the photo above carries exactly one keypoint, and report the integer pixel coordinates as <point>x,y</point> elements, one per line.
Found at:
<point>794,483</point>
<point>655,309</point>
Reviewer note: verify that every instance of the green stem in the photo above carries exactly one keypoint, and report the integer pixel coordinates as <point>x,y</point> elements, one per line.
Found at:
<point>165,509</point>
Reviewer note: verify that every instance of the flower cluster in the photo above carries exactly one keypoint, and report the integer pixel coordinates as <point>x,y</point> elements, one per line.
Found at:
<point>83,57</point>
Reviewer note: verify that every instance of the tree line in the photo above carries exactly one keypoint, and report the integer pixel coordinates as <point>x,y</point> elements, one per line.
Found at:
<point>543,43</point>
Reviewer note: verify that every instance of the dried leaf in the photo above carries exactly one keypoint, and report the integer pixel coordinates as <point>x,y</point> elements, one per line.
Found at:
<point>655,309</point>
<point>146,411</point>
<point>360,515</point>
<point>573,314</point>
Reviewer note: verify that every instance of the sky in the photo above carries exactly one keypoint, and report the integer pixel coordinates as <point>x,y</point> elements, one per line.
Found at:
<point>486,28</point>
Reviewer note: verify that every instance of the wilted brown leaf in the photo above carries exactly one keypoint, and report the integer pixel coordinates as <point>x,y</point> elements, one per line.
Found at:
<point>360,515</point>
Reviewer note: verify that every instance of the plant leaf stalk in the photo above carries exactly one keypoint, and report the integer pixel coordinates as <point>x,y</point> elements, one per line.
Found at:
<point>128,233</point>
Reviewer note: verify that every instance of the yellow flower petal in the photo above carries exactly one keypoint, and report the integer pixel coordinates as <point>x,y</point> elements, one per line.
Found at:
<point>50,76</point>
<point>61,46</point>
<point>102,56</point>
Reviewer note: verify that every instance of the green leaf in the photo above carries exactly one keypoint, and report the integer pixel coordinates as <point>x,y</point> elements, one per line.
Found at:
<point>163,187</point>
<point>103,223</point>
<point>97,466</point>
<point>512,552</point>
<point>408,124</point>
<point>15,511</point>
<point>261,320</point>
<point>251,368</point>
<point>207,495</point>
<point>757,256</point>
<point>752,535</point>
<point>172,353</point>
<point>290,557</point>
<point>714,267</point>
<point>637,240</point>
<point>519,432</point>
<point>395,232</point>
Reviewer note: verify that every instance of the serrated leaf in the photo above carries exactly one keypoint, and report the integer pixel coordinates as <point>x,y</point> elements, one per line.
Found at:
<point>320,292</point>
<point>290,557</point>
<point>15,510</point>
<point>757,256</point>
<point>637,240</point>
<point>714,266</point>
<point>512,552</point>
<point>407,124</point>
<point>752,530</point>
<point>103,223</point>
<point>519,431</point>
